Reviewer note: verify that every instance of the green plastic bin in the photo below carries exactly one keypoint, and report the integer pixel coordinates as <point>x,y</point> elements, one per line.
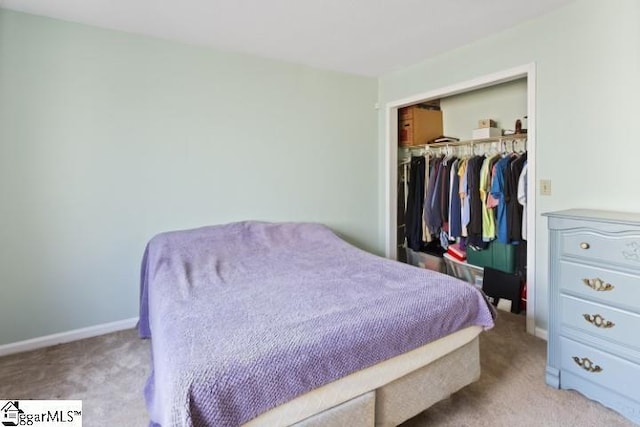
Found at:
<point>498,255</point>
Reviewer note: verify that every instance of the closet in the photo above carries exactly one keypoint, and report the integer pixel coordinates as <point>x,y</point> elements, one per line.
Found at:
<point>462,188</point>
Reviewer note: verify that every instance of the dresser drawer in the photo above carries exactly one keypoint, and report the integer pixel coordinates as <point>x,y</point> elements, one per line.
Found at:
<point>600,320</point>
<point>600,284</point>
<point>602,368</point>
<point>604,248</point>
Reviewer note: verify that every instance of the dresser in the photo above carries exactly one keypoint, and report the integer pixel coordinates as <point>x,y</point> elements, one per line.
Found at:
<point>594,306</point>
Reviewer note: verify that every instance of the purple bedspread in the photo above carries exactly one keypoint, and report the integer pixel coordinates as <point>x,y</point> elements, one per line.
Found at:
<point>246,316</point>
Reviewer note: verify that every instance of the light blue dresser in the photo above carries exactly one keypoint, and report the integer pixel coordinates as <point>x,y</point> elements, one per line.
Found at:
<point>594,308</point>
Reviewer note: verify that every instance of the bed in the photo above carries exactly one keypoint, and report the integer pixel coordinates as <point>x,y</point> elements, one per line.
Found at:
<point>269,324</point>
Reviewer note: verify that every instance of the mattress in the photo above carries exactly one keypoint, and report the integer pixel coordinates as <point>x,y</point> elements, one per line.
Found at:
<point>245,317</point>
<point>363,381</point>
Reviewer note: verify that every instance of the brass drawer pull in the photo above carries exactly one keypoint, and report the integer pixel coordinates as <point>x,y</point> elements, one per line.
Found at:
<point>587,364</point>
<point>598,284</point>
<point>584,245</point>
<point>598,321</point>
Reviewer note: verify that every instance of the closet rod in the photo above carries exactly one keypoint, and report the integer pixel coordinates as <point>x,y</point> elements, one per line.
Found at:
<point>471,142</point>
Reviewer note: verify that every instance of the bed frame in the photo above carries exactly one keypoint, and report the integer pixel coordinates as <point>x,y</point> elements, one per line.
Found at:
<point>442,371</point>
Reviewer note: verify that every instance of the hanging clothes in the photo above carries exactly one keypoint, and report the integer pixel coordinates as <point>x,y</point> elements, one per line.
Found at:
<point>426,232</point>
<point>464,198</point>
<point>498,192</point>
<point>415,202</point>
<point>455,203</point>
<point>445,194</point>
<point>522,199</point>
<point>488,216</point>
<point>514,209</point>
<point>521,250</point>
<point>431,210</point>
<point>436,208</point>
<point>475,202</point>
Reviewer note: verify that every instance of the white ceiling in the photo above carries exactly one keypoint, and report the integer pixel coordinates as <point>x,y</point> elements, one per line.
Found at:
<point>368,37</point>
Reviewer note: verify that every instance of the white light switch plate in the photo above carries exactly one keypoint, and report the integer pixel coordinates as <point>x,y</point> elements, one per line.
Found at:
<point>545,187</point>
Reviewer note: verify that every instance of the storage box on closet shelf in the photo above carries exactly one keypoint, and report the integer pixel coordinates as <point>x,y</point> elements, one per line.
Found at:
<point>457,252</point>
<point>487,123</point>
<point>463,271</point>
<point>487,128</point>
<point>484,133</point>
<point>425,260</point>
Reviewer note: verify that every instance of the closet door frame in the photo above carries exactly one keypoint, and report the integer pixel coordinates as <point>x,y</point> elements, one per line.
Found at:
<point>527,71</point>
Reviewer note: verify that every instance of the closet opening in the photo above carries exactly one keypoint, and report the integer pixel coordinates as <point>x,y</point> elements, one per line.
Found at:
<point>461,199</point>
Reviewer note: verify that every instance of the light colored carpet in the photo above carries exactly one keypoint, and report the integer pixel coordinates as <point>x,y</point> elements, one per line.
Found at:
<point>108,374</point>
<point>511,390</point>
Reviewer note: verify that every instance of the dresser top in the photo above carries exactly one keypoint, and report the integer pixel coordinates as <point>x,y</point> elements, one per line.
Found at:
<point>597,215</point>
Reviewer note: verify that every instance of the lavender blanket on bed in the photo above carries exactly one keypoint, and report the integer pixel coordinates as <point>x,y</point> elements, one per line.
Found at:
<point>246,316</point>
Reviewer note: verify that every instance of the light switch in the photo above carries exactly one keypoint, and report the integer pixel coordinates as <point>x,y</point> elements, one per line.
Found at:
<point>545,187</point>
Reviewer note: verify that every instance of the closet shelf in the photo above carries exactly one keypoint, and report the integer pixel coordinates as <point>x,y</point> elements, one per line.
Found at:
<point>470,142</point>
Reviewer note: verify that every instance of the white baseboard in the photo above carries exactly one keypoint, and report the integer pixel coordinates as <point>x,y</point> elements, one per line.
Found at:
<point>105,328</point>
<point>64,337</point>
<point>542,333</point>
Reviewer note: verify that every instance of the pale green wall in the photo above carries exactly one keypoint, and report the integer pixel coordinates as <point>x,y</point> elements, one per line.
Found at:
<point>588,83</point>
<point>504,103</point>
<point>107,138</point>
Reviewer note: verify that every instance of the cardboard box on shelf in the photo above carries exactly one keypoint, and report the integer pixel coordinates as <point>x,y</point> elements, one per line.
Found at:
<point>487,123</point>
<point>417,126</point>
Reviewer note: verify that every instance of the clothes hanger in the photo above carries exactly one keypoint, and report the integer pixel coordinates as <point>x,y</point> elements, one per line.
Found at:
<point>524,146</point>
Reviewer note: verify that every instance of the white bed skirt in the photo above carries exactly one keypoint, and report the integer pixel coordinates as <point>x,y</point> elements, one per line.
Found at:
<point>398,393</point>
